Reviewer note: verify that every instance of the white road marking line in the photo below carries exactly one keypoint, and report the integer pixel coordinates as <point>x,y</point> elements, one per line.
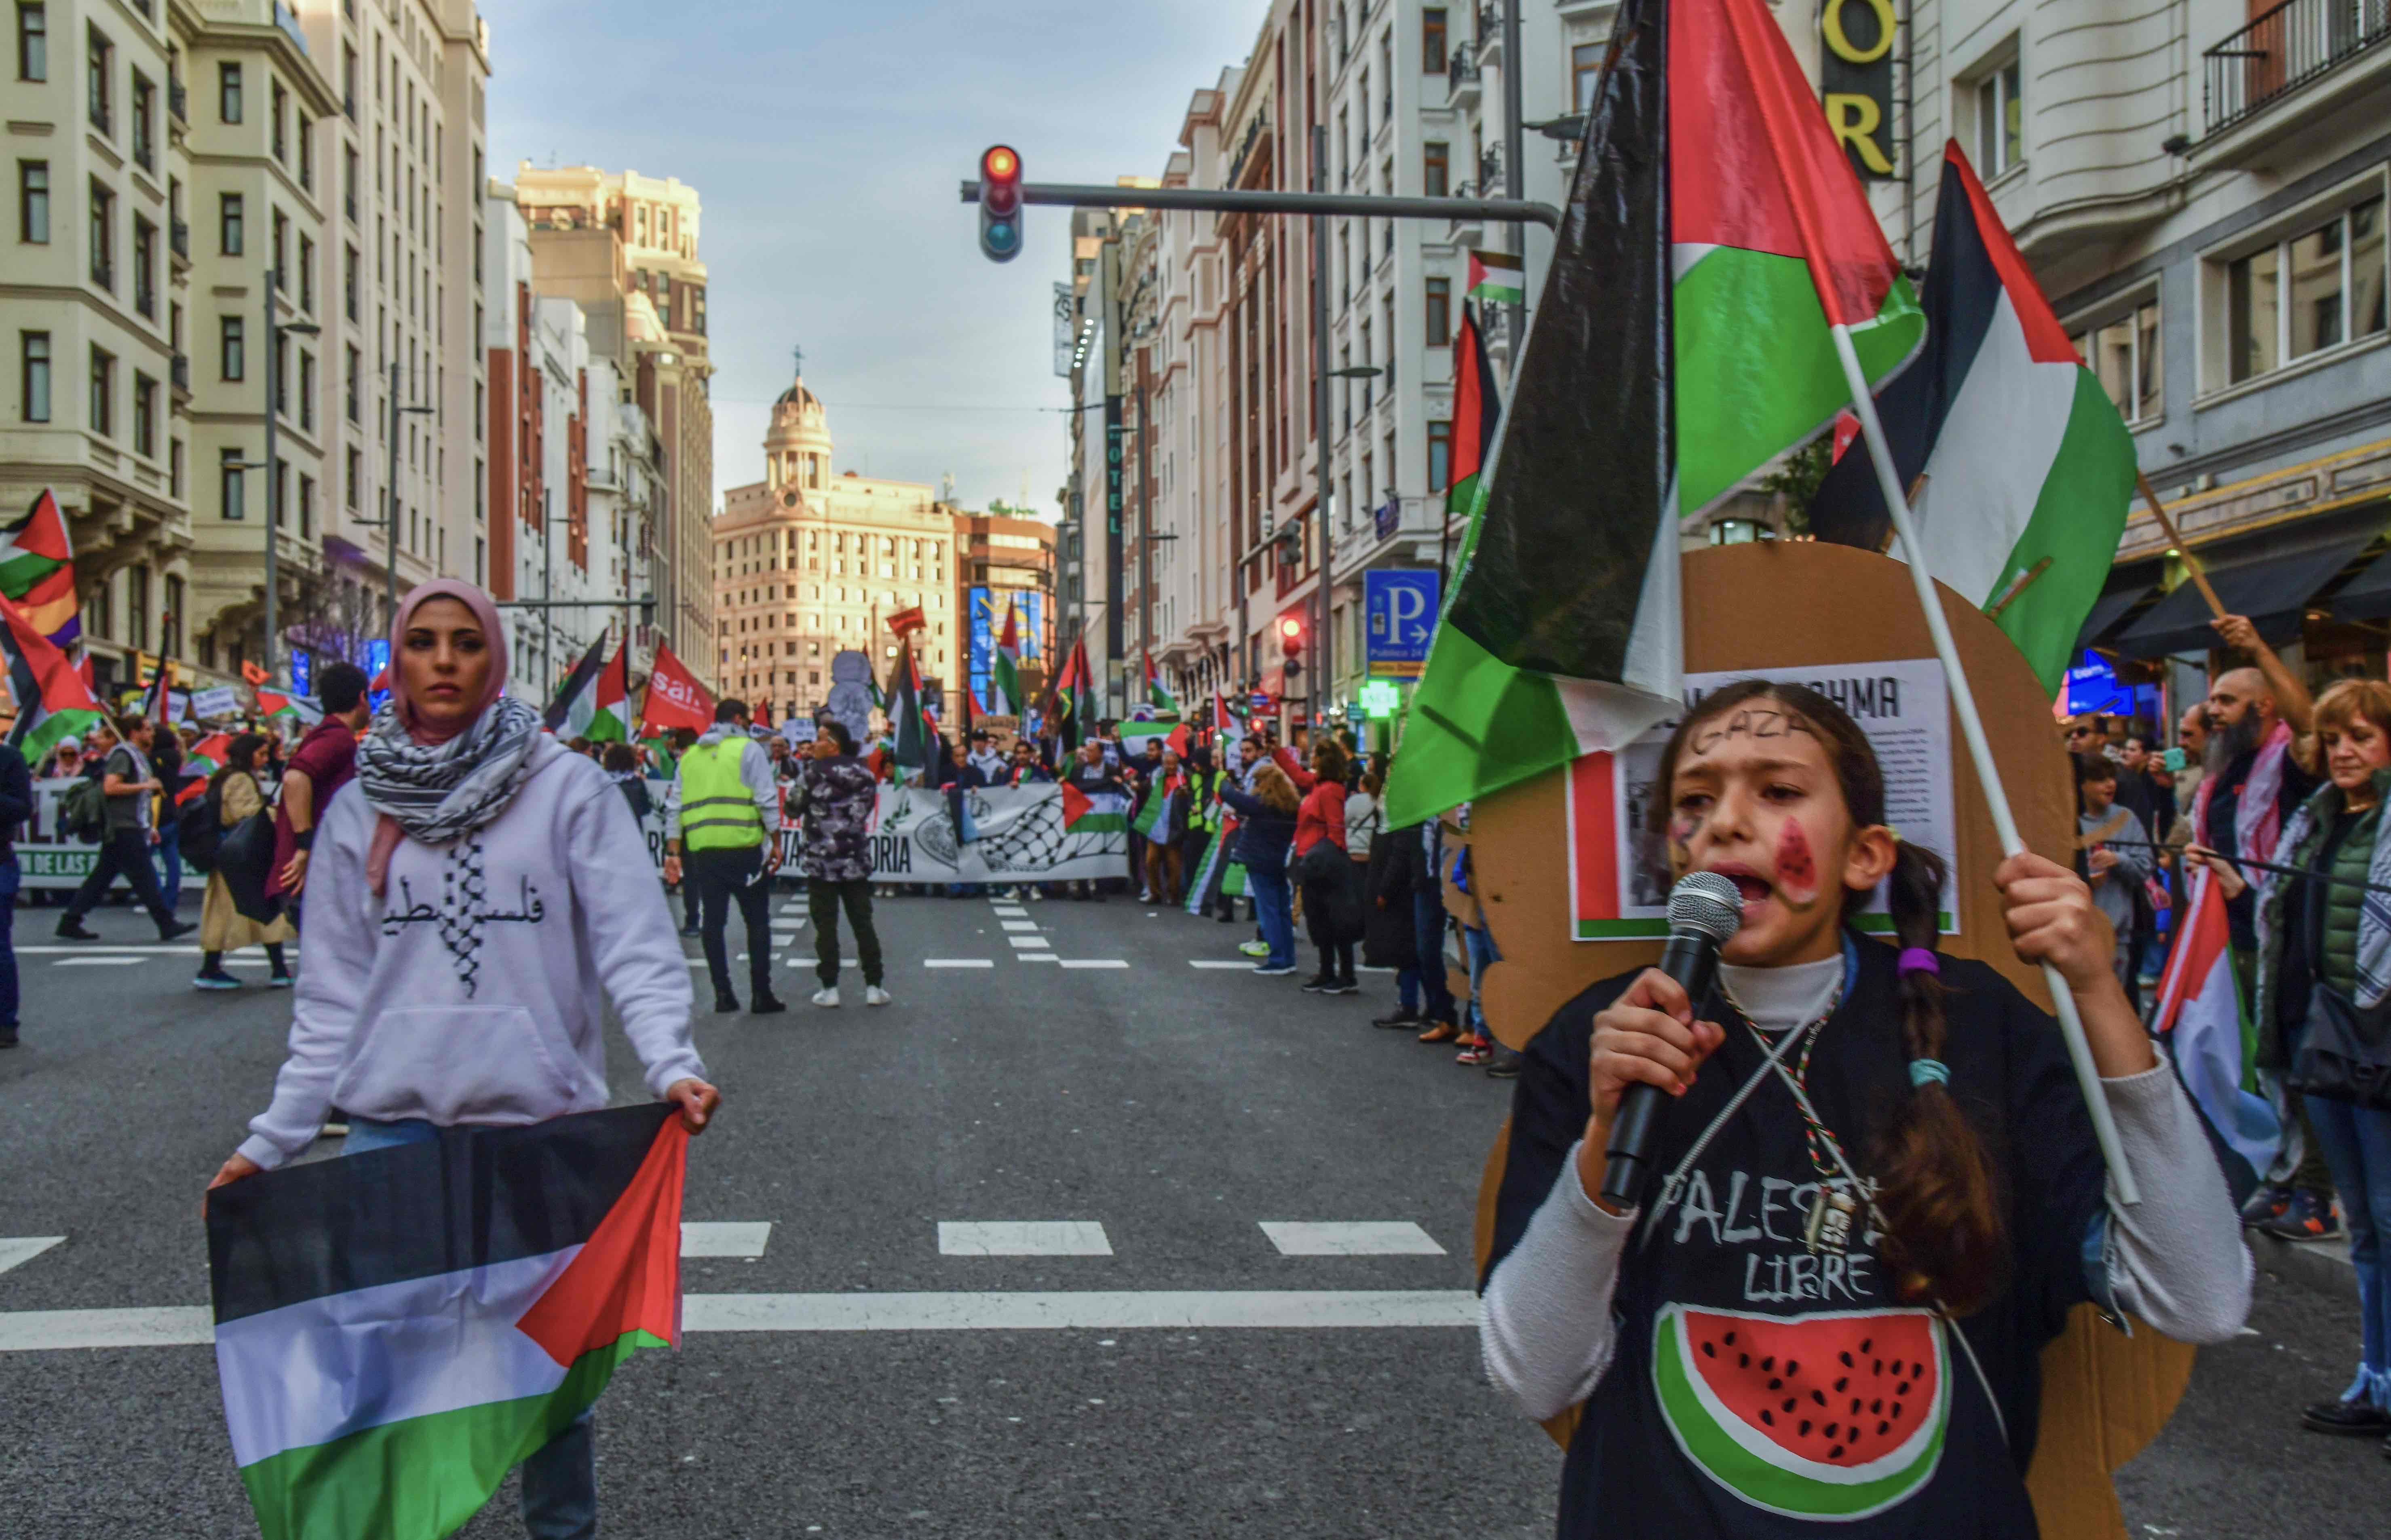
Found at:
<point>783,928</point>
<point>17,1250</point>
<point>807,960</point>
<point>1008,1237</point>
<point>724,1239</point>
<point>958,963</point>
<point>1029,943</point>
<point>1009,912</point>
<point>1215,963</point>
<point>1362,1239</point>
<point>1077,1309</point>
<point>94,962</point>
<point>1093,963</point>
<point>793,909</point>
<point>1016,925</point>
<point>90,948</point>
<point>1036,957</point>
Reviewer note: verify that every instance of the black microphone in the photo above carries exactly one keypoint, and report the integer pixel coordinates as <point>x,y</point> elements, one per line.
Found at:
<point>1705,910</point>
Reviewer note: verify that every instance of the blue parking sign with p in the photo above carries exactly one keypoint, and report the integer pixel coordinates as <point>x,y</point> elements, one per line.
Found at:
<point>1400,607</point>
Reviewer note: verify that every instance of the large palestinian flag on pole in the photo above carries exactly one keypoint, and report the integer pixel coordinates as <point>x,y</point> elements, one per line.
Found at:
<point>1004,669</point>
<point>907,723</point>
<point>37,570</point>
<point>1679,346</point>
<point>2030,470</point>
<point>1093,812</point>
<point>54,701</point>
<point>395,1330</point>
<point>1158,695</point>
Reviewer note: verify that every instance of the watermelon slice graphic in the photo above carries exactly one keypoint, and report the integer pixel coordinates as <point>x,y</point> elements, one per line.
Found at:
<point>1836,1416</point>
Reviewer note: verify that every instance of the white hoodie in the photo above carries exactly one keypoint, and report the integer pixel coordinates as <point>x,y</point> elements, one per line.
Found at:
<point>383,1025</point>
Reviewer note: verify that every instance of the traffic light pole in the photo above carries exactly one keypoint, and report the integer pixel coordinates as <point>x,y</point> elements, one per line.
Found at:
<point>1324,652</point>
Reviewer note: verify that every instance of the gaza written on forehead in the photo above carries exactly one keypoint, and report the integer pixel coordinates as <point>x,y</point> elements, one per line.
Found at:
<point>1754,722</point>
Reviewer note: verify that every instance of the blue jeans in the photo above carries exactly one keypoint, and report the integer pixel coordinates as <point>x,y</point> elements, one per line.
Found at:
<point>1427,940</point>
<point>1274,912</point>
<point>9,875</point>
<point>1480,944</point>
<point>559,1480</point>
<point>169,851</point>
<point>2357,1145</point>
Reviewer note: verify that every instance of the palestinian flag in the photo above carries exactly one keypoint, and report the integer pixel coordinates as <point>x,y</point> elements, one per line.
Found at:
<point>595,700</point>
<point>1137,732</point>
<point>2200,1019</point>
<point>2030,468</point>
<point>1158,695</point>
<point>1476,409</point>
<point>1094,813</point>
<point>54,700</point>
<point>37,570</point>
<point>1715,236</point>
<point>907,721</point>
<point>293,711</point>
<point>395,1330</point>
<point>206,757</point>
<point>1004,669</point>
<point>1497,278</point>
<point>1071,687</point>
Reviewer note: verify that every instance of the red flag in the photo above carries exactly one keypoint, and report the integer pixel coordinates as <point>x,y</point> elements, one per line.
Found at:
<point>675,698</point>
<point>906,621</point>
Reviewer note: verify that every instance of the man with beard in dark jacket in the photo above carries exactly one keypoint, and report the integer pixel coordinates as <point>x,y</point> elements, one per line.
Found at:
<point>834,799</point>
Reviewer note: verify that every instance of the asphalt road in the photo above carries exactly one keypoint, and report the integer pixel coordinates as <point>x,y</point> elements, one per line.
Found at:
<point>1163,1112</point>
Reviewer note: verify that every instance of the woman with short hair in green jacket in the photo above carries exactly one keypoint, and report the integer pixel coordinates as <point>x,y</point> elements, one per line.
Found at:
<point>2326,947</point>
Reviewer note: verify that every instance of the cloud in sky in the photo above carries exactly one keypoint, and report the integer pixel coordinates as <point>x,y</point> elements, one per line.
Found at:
<point>826,142</point>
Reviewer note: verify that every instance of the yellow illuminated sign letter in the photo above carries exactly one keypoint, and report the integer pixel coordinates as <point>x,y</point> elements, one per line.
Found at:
<point>1855,119</point>
<point>1831,26</point>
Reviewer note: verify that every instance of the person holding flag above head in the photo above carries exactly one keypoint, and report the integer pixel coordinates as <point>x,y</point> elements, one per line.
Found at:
<point>473,910</point>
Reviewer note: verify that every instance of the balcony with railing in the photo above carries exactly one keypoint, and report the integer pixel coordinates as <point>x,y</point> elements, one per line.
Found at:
<point>178,238</point>
<point>179,372</point>
<point>1490,33</point>
<point>1490,172</point>
<point>1461,77</point>
<point>178,101</point>
<point>2286,50</point>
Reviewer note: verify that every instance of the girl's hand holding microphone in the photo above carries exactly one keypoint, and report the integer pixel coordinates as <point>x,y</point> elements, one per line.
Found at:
<point>1648,1035</point>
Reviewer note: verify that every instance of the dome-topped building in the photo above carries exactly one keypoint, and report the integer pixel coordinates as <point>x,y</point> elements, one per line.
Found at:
<point>796,447</point>
<point>811,562</point>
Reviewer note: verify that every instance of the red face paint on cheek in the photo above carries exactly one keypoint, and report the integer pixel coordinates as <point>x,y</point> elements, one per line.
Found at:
<point>1797,873</point>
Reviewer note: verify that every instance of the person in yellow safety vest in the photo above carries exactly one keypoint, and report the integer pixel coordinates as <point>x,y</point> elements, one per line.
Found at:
<point>722,821</point>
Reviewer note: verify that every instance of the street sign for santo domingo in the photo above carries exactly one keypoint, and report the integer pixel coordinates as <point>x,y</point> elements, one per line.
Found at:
<point>1400,606</point>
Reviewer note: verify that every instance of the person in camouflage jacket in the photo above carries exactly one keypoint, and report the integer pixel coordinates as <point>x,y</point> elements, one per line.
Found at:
<point>832,801</point>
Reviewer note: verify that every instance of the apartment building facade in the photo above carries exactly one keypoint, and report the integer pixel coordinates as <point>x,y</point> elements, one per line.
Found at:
<point>624,246</point>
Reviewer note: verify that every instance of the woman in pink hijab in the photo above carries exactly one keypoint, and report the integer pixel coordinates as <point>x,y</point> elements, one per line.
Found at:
<point>469,917</point>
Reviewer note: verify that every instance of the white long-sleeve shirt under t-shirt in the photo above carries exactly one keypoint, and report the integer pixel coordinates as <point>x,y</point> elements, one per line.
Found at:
<point>2177,1261</point>
<point>385,1022</point>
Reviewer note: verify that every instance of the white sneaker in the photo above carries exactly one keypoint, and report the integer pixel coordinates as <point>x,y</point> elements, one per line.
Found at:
<point>828,997</point>
<point>872,995</point>
<point>1037,895</point>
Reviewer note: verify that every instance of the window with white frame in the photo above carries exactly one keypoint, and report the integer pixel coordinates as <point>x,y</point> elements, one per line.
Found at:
<point>2000,117</point>
<point>2127,353</point>
<point>2318,285</point>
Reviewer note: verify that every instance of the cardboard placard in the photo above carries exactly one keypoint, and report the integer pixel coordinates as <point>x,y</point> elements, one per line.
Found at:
<point>1786,605</point>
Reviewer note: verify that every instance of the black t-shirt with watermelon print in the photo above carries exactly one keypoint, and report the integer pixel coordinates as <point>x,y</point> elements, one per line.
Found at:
<point>1759,1390</point>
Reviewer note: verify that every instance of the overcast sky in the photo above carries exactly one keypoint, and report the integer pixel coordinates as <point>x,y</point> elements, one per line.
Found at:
<point>826,142</point>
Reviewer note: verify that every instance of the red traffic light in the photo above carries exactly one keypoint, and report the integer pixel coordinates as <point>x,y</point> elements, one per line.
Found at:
<point>999,181</point>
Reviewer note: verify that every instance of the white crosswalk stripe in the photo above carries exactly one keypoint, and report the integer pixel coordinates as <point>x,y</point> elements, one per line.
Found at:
<point>1064,1237</point>
<point>724,1239</point>
<point>958,963</point>
<point>17,1250</point>
<point>1366,1239</point>
<point>1093,963</point>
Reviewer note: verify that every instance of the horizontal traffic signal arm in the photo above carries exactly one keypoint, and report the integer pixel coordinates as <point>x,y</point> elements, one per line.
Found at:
<point>1227,200</point>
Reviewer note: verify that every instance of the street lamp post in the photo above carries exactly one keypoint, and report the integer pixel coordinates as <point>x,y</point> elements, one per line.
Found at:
<point>390,530</point>
<point>275,332</point>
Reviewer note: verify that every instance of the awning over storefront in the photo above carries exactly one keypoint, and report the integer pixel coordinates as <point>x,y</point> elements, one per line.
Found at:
<point>2272,588</point>
<point>2366,596</point>
<point>2108,610</point>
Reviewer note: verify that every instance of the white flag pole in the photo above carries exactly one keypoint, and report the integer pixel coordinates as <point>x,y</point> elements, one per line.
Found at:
<point>1980,749</point>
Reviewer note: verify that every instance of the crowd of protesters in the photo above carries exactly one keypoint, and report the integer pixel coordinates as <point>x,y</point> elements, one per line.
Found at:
<point>2277,794</point>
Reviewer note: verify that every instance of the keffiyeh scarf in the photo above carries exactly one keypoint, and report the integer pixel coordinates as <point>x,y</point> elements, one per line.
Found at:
<point>443,794</point>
